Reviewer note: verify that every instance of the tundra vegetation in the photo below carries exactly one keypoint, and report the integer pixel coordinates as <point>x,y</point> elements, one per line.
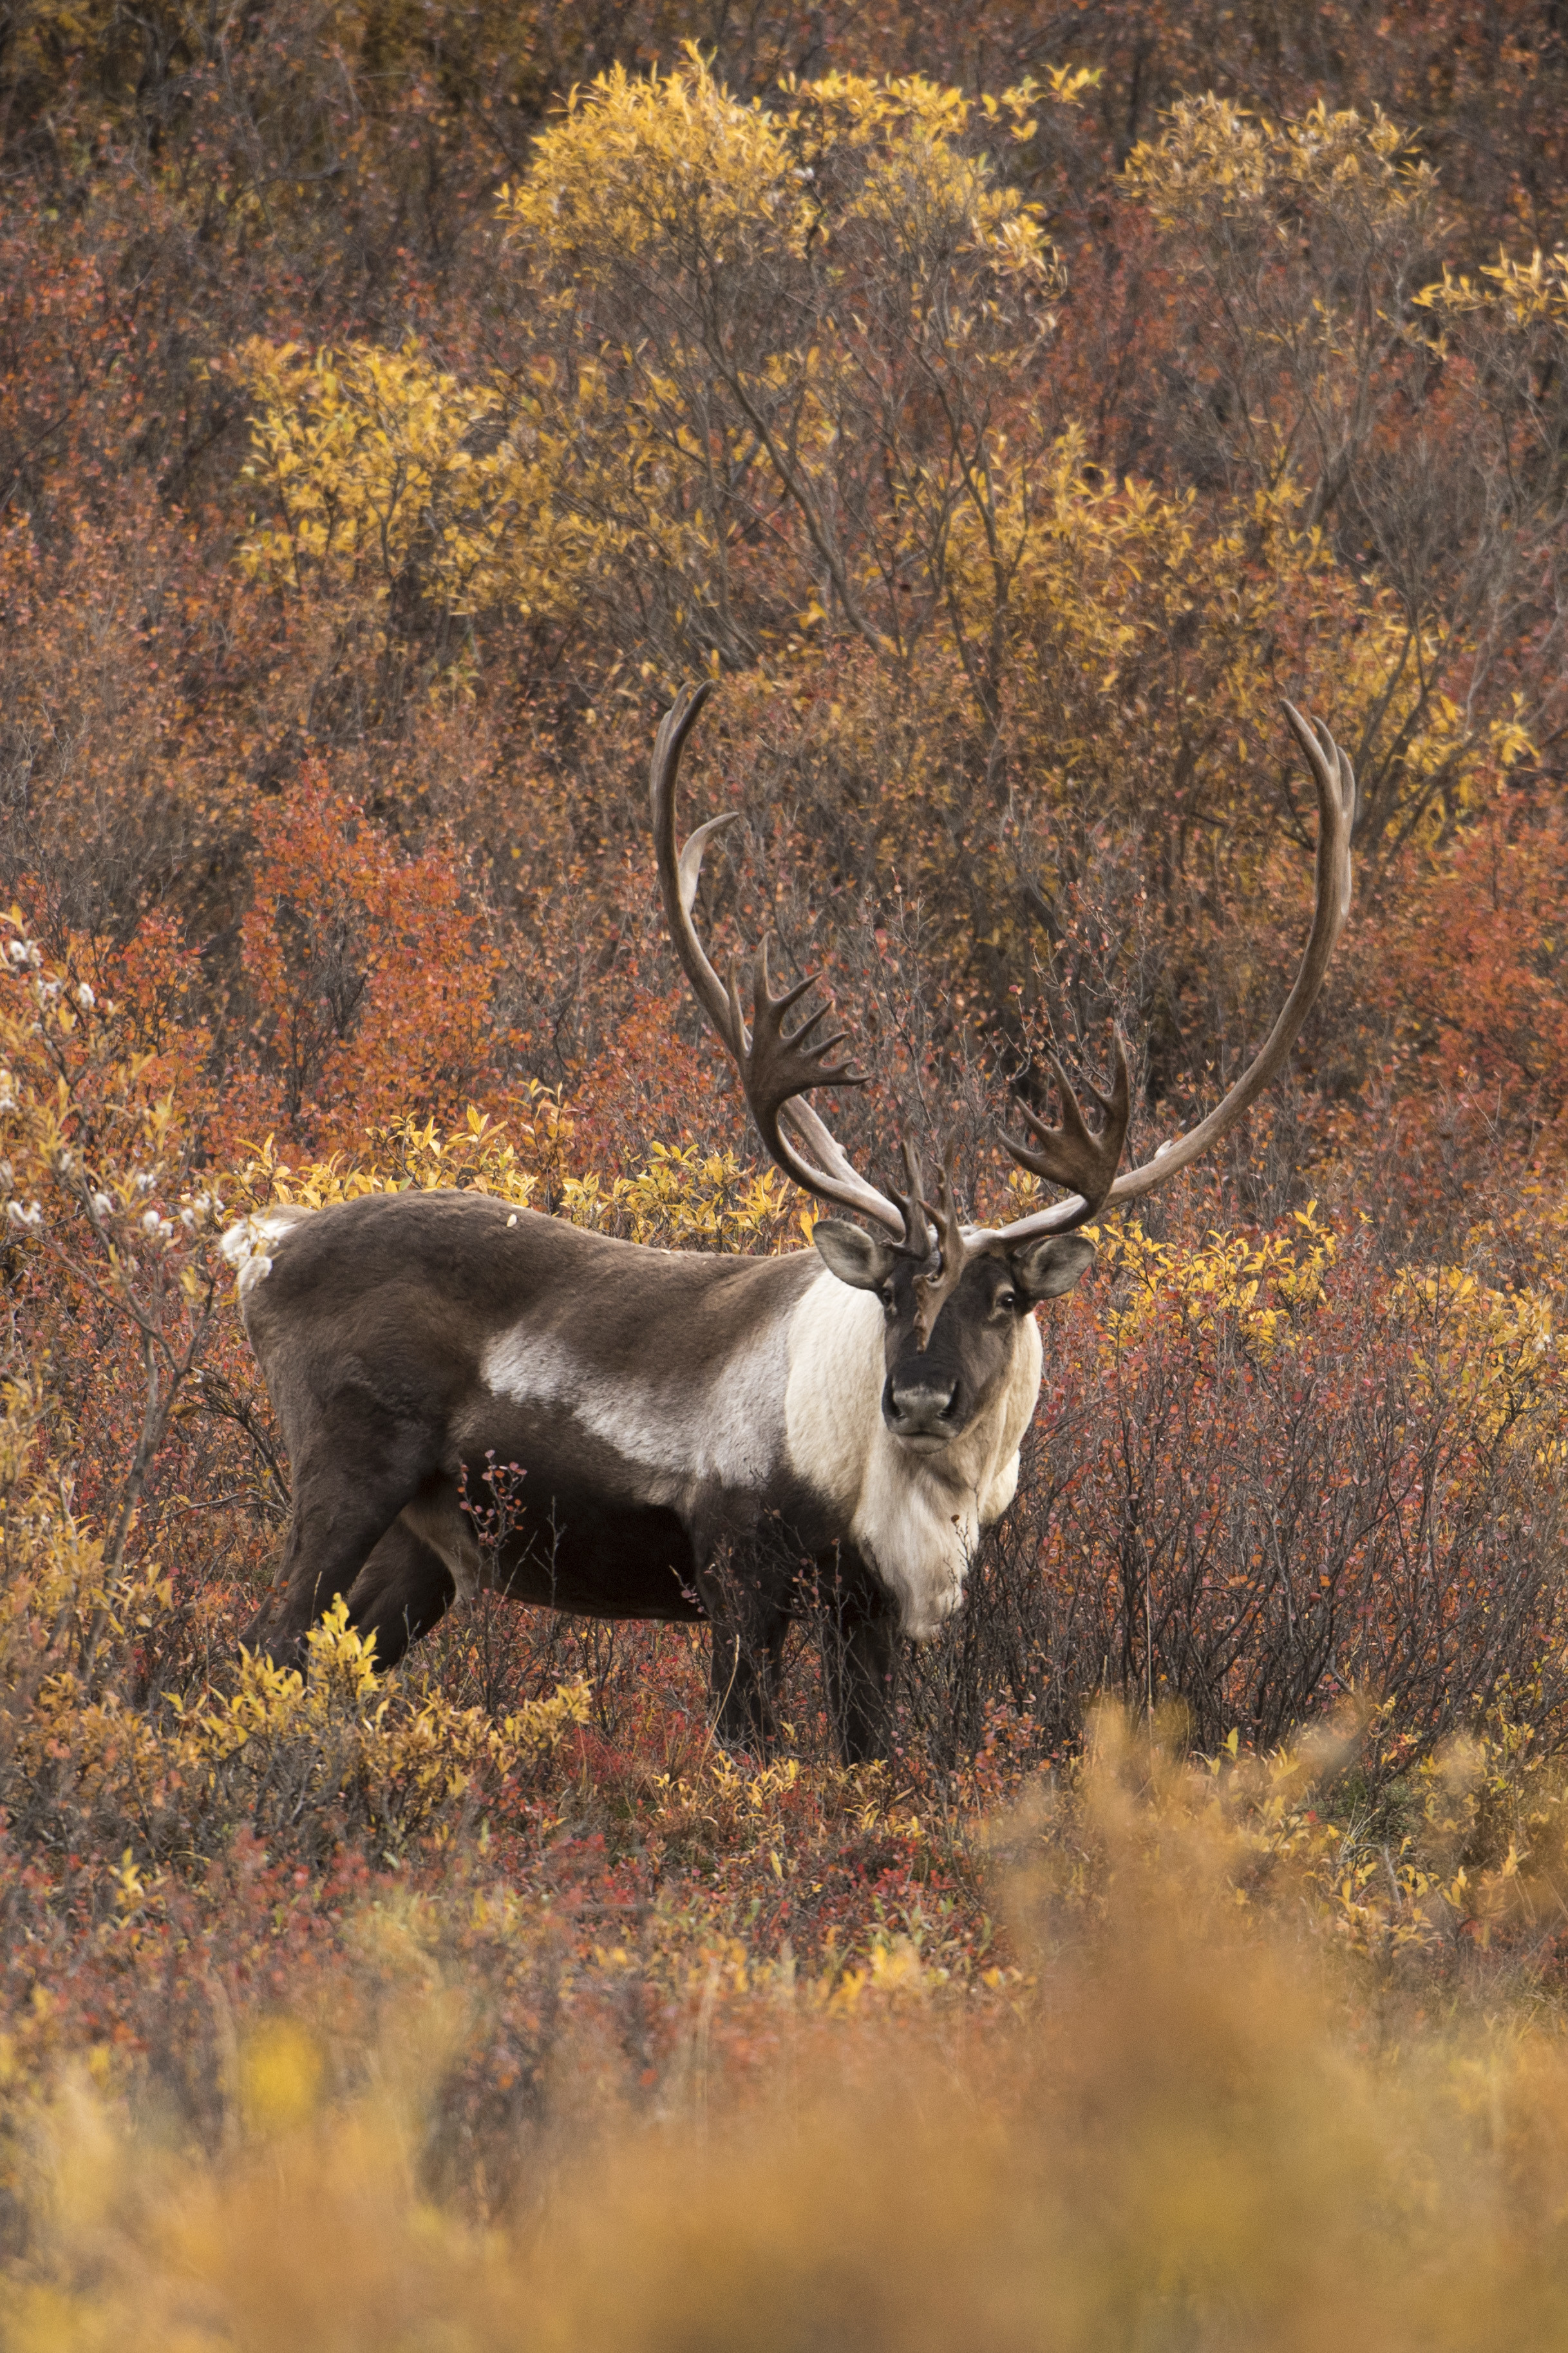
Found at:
<point>1004,412</point>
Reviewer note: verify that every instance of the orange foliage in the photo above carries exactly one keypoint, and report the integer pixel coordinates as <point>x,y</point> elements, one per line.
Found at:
<point>1475,978</point>
<point>371,975</point>
<point>649,1083</point>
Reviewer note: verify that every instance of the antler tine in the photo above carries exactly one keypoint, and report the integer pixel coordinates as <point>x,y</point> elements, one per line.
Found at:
<point>1069,1155</point>
<point>775,1068</point>
<point>1336,790</point>
<point>918,1240</point>
<point>932,1291</point>
<point>828,1173</point>
<point>1334,780</point>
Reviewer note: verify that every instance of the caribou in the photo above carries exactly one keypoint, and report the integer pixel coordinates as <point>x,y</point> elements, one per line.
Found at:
<point>700,1436</point>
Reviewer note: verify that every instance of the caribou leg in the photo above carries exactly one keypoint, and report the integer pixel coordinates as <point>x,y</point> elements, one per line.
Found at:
<point>750,1621</point>
<point>859,1647</point>
<point>404,1589</point>
<point>744,1681</point>
<point>339,1517</point>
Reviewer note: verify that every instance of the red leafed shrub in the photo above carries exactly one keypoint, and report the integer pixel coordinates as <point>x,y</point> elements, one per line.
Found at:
<point>371,977</point>
<point>1261,1522</point>
<point>1475,972</point>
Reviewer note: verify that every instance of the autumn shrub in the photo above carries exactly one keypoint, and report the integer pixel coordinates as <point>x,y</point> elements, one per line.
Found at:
<point>1267,1479</point>
<point>1211,2098</point>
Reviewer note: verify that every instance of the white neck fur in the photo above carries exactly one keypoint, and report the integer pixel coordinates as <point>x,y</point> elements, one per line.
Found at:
<point>917,1518</point>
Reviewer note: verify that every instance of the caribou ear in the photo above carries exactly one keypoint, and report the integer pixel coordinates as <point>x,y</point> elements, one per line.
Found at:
<point>854,1256</point>
<point>1044,1269</point>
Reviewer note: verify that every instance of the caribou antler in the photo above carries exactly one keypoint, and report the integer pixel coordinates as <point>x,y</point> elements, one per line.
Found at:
<point>1069,1155</point>
<point>1335,784</point>
<point>773,1069</point>
<point>777,1067</point>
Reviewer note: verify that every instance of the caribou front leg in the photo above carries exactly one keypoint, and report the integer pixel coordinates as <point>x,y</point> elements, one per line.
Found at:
<point>859,1652</point>
<point>748,1663</point>
<point>750,1621</point>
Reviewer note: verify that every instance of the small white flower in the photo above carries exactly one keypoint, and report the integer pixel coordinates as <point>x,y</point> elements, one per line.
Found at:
<point>101,1205</point>
<point>188,1219</point>
<point>150,1222</point>
<point>85,997</point>
<point>30,1219</point>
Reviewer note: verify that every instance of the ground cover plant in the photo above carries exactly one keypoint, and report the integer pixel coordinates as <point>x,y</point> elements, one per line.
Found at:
<point>395,410</point>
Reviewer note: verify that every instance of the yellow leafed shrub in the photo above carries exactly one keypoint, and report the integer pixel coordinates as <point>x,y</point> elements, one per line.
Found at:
<point>1490,1348</point>
<point>687,1198</point>
<point>1259,1287</point>
<point>384,471</point>
<point>332,1736</point>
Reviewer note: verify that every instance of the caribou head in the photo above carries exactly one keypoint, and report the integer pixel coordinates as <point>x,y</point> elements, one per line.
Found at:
<point>955,1298</point>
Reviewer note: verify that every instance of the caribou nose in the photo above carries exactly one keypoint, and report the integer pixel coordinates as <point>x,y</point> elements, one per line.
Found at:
<point>921,1408</point>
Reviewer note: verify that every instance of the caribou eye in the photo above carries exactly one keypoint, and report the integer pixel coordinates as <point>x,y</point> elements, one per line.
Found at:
<point>1007,1299</point>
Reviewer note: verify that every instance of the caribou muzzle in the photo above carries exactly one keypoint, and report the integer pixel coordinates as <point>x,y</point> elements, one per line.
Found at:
<point>926,1411</point>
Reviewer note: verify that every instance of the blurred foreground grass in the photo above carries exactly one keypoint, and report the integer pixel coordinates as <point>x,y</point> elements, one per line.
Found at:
<point>1256,2085</point>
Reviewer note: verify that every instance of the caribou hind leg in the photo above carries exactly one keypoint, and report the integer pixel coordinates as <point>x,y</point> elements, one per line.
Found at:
<point>341,1513</point>
<point>404,1589</point>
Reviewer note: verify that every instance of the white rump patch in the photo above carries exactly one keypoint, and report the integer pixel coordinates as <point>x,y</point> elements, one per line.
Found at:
<point>246,1245</point>
<point>917,1518</point>
<point>255,1271</point>
<point>261,1230</point>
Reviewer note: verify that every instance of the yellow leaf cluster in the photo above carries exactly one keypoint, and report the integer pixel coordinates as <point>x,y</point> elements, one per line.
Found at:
<point>1216,158</point>
<point>687,1198</point>
<point>1490,1348</point>
<point>384,470</point>
<point>670,160</point>
<point>1524,294</point>
<point>334,1729</point>
<point>1260,1288</point>
<point>673,165</point>
<point>511,1158</point>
